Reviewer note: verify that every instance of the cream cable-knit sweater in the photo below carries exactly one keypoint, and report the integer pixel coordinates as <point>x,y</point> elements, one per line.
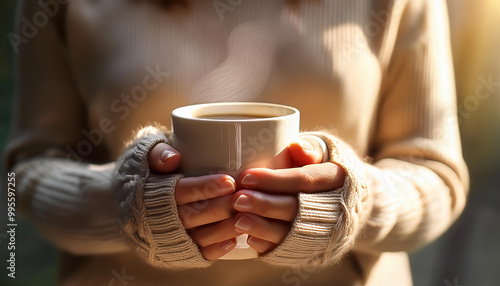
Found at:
<point>373,77</point>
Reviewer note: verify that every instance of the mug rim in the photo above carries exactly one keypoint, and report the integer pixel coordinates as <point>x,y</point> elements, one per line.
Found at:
<point>186,112</point>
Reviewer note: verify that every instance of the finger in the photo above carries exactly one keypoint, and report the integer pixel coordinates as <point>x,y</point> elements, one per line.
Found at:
<point>281,161</point>
<point>163,158</point>
<point>311,178</point>
<point>193,189</point>
<point>217,250</point>
<point>206,212</point>
<point>260,245</point>
<point>267,229</point>
<point>300,152</point>
<point>305,150</point>
<point>281,207</point>
<point>213,233</point>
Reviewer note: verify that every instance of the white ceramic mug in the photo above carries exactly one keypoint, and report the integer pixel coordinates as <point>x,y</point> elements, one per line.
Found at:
<point>229,138</point>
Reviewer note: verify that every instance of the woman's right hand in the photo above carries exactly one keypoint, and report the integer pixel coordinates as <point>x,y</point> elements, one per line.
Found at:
<point>204,204</point>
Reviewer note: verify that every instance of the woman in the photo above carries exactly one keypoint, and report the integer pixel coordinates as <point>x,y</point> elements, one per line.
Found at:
<point>372,79</point>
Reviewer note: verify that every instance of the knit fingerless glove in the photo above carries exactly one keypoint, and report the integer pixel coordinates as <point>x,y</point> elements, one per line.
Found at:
<point>327,223</point>
<point>148,208</point>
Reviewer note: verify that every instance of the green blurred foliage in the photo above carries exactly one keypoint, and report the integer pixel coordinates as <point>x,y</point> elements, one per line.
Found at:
<point>36,259</point>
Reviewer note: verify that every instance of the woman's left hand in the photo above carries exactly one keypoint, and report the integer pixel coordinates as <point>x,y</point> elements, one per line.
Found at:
<point>268,202</point>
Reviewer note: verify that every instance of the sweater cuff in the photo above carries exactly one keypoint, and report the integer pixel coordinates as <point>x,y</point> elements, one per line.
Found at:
<point>327,223</point>
<point>149,211</point>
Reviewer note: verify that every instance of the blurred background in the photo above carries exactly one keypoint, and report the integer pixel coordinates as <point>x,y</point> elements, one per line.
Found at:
<point>468,254</point>
<point>36,258</point>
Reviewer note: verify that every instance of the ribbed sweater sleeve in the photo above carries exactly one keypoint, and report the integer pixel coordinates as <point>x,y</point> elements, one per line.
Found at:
<point>71,203</point>
<point>418,177</point>
<point>148,209</point>
<point>416,184</point>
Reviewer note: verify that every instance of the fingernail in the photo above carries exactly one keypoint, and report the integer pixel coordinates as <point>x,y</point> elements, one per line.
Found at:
<point>165,155</point>
<point>227,186</point>
<point>226,245</point>
<point>253,242</point>
<point>305,144</point>
<point>243,202</point>
<point>244,223</point>
<point>250,180</point>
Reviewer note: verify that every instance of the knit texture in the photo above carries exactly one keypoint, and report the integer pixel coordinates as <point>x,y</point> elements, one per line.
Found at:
<point>149,211</point>
<point>71,203</point>
<point>327,223</point>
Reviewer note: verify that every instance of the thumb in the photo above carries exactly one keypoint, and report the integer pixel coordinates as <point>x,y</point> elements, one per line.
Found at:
<point>163,158</point>
<point>306,150</point>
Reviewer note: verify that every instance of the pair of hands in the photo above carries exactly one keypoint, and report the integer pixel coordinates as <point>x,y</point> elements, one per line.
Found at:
<point>263,203</point>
